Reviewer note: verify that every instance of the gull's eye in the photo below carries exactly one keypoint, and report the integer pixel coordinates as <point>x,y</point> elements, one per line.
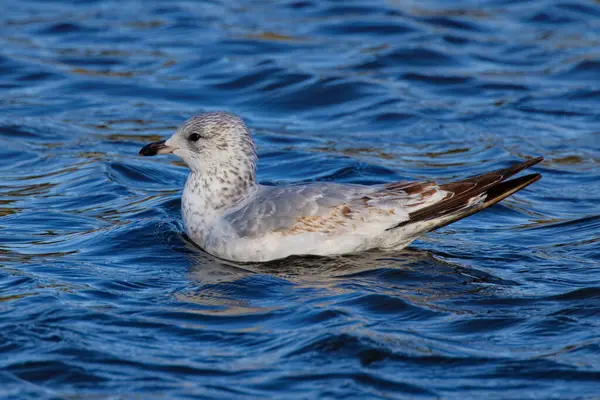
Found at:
<point>194,137</point>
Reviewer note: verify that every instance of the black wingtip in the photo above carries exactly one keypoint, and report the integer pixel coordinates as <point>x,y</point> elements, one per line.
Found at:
<point>506,188</point>
<point>516,168</point>
<point>535,160</point>
<point>494,195</point>
<point>495,185</point>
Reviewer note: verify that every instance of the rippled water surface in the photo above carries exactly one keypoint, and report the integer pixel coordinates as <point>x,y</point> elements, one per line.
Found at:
<point>101,296</point>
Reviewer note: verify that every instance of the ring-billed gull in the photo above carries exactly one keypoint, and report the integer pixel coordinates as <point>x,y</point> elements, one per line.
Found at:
<point>228,214</point>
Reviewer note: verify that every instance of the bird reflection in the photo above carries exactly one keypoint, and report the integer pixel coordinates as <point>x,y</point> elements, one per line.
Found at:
<point>323,271</point>
<point>420,277</point>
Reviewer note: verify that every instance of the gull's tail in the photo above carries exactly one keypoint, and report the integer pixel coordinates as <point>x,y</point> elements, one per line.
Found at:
<point>472,195</point>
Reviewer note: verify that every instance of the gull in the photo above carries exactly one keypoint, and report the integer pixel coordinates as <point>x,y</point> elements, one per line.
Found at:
<point>231,216</point>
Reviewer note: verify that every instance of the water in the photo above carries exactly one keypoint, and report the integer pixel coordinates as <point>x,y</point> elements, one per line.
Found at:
<point>102,297</point>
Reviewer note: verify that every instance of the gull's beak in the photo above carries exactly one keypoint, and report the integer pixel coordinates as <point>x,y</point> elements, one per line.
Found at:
<point>155,148</point>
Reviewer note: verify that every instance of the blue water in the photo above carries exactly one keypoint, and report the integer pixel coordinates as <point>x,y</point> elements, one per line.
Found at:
<point>102,296</point>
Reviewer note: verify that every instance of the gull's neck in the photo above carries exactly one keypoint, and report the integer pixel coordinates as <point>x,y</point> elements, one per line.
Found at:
<point>219,189</point>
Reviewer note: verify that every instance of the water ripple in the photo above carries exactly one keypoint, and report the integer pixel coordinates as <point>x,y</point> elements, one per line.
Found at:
<point>102,295</point>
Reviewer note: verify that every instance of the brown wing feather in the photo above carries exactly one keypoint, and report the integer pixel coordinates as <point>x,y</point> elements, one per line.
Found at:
<point>400,190</point>
<point>494,195</point>
<point>462,192</point>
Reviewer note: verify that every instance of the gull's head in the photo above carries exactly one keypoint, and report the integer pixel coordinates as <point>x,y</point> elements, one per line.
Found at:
<point>209,142</point>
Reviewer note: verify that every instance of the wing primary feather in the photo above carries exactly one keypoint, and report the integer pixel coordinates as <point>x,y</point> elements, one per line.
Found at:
<point>494,195</point>
<point>492,185</point>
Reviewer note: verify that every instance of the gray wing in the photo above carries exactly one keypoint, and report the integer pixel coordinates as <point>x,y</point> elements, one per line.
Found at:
<point>281,208</point>
<point>333,207</point>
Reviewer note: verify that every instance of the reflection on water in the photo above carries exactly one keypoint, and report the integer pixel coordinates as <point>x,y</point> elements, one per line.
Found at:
<point>329,271</point>
<point>414,275</point>
<point>101,295</point>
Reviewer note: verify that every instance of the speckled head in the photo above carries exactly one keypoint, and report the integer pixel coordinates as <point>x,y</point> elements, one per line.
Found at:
<point>211,142</point>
